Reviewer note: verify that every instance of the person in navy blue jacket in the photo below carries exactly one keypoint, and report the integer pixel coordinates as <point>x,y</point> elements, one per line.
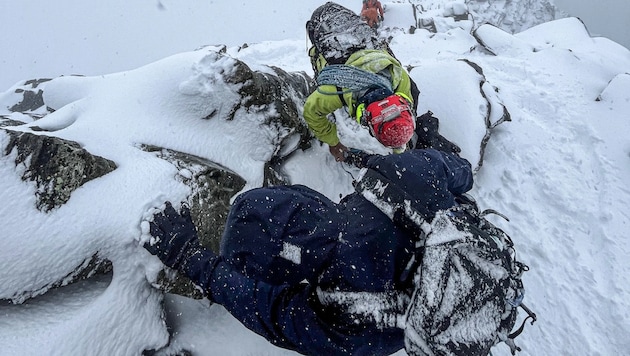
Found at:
<point>309,274</point>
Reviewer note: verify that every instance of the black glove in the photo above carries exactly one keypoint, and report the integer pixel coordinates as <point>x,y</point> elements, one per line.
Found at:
<point>428,135</point>
<point>357,157</point>
<point>175,235</point>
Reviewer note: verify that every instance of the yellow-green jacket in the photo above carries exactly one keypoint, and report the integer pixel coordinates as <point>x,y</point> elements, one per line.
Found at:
<point>320,104</point>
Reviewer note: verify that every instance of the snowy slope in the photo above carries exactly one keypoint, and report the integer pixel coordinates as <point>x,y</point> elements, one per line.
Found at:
<point>559,170</point>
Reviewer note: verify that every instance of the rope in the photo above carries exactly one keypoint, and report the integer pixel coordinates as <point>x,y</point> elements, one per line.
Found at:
<point>352,78</point>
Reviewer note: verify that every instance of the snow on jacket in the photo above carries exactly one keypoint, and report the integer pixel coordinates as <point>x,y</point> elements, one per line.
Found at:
<point>284,245</point>
<point>325,99</point>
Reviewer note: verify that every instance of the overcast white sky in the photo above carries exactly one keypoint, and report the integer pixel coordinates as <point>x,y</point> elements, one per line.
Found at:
<point>42,38</point>
<point>607,18</point>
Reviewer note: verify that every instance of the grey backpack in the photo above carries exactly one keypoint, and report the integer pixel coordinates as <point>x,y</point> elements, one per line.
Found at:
<point>337,32</point>
<point>467,286</point>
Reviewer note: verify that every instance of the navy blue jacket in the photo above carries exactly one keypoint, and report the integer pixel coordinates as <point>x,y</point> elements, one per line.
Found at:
<point>284,245</point>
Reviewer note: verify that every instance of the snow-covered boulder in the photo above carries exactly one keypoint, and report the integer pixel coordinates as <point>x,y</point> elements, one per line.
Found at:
<point>203,95</point>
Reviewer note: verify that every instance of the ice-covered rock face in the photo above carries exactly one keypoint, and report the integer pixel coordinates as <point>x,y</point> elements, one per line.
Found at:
<point>441,16</point>
<point>512,16</point>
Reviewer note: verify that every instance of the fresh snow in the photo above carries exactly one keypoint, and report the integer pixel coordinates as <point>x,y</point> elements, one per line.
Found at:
<point>558,170</point>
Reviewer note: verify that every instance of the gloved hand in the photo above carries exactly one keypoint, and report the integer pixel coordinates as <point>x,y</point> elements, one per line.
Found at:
<point>428,135</point>
<point>357,157</point>
<point>174,236</point>
<point>338,151</point>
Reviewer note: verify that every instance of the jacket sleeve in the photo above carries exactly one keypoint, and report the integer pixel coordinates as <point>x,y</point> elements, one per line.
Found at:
<point>458,172</point>
<point>432,180</point>
<point>316,109</point>
<point>282,314</point>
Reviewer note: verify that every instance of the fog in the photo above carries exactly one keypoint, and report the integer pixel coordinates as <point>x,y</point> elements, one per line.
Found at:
<point>605,18</point>
<point>51,38</point>
<point>47,39</point>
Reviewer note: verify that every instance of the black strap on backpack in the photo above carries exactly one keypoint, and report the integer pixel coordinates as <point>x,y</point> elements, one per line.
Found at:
<point>340,93</point>
<point>366,87</point>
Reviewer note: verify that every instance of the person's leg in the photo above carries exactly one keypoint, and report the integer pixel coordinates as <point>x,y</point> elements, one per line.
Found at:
<point>372,17</point>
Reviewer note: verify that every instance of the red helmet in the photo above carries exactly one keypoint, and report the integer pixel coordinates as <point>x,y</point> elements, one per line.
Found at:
<point>391,121</point>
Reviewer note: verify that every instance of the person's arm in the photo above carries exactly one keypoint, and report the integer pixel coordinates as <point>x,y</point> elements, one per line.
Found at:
<point>285,315</point>
<point>431,173</point>
<point>458,172</point>
<point>282,314</point>
<point>316,110</point>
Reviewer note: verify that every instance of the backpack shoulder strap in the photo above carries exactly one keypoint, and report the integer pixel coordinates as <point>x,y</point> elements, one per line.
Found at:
<point>343,100</point>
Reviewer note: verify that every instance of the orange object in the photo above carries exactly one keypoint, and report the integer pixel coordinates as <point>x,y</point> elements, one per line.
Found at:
<point>372,12</point>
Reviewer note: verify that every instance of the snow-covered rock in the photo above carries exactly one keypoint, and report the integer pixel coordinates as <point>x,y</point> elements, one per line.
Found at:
<point>42,147</point>
<point>558,170</point>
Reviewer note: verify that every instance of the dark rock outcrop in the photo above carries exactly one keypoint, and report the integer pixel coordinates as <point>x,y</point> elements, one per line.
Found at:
<point>285,92</point>
<point>496,112</point>
<point>212,187</point>
<point>32,98</point>
<point>57,166</point>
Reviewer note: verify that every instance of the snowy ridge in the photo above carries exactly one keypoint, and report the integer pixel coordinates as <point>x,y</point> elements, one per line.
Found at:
<point>558,170</point>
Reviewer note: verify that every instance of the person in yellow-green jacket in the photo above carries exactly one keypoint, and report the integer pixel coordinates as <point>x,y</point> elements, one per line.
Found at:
<point>356,70</point>
<point>396,126</point>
